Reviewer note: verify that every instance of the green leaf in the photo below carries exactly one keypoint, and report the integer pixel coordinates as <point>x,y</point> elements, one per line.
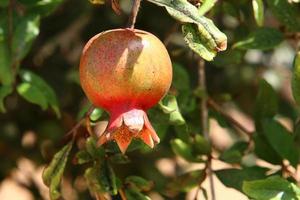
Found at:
<point>6,74</point>
<point>96,152</point>
<point>42,7</point>
<point>25,32</point>
<point>96,114</point>
<point>99,2</point>
<point>140,183</point>
<point>272,188</point>
<point>83,157</point>
<point>286,13</point>
<point>234,177</point>
<point>43,87</point>
<point>201,145</point>
<point>186,182</point>
<point>171,108</point>
<point>263,38</point>
<point>258,11</point>
<point>296,79</point>
<point>101,178</point>
<point>229,58</point>
<point>53,173</point>
<point>184,150</point>
<point>235,153</point>
<point>264,150</point>
<point>197,42</point>
<point>281,140</point>
<point>5,90</point>
<point>119,158</point>
<point>108,178</point>
<point>206,6</point>
<point>134,194</point>
<point>4,3</point>
<point>266,105</point>
<point>183,11</point>
<point>181,79</point>
<point>32,94</point>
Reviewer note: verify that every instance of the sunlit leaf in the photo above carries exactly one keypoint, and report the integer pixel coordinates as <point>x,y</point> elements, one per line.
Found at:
<point>185,12</point>
<point>296,79</point>
<point>32,94</point>
<point>206,6</point>
<point>170,107</point>
<point>198,43</point>
<point>43,87</point>
<point>25,33</point>
<point>275,188</point>
<point>258,11</point>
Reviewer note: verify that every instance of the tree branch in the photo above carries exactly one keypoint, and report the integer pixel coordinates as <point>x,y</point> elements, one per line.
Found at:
<point>73,132</point>
<point>219,109</point>
<point>204,123</point>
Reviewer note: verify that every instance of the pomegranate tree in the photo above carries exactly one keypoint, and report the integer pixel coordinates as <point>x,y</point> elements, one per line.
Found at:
<point>126,72</point>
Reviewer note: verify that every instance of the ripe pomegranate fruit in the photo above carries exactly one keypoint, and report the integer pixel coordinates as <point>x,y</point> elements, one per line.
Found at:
<point>126,72</point>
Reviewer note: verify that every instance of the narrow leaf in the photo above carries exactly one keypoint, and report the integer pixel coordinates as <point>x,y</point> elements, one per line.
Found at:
<point>296,79</point>
<point>258,10</point>
<point>134,194</point>
<point>206,6</point>
<point>53,173</point>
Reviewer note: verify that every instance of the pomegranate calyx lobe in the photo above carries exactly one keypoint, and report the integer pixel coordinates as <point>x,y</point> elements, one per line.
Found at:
<point>129,125</point>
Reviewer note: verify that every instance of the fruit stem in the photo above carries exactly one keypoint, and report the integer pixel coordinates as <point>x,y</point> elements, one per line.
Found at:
<point>134,12</point>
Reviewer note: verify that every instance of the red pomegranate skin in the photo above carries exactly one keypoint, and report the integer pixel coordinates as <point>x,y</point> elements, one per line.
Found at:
<point>126,72</point>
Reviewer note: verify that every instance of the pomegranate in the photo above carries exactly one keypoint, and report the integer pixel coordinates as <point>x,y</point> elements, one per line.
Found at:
<point>126,72</point>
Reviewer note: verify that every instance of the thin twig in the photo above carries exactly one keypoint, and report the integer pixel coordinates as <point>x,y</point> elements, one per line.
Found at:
<point>73,132</point>
<point>122,194</point>
<point>204,122</point>
<point>220,110</point>
<point>134,12</point>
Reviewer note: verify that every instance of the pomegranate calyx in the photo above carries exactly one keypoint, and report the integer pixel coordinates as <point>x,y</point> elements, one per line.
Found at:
<point>129,125</point>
